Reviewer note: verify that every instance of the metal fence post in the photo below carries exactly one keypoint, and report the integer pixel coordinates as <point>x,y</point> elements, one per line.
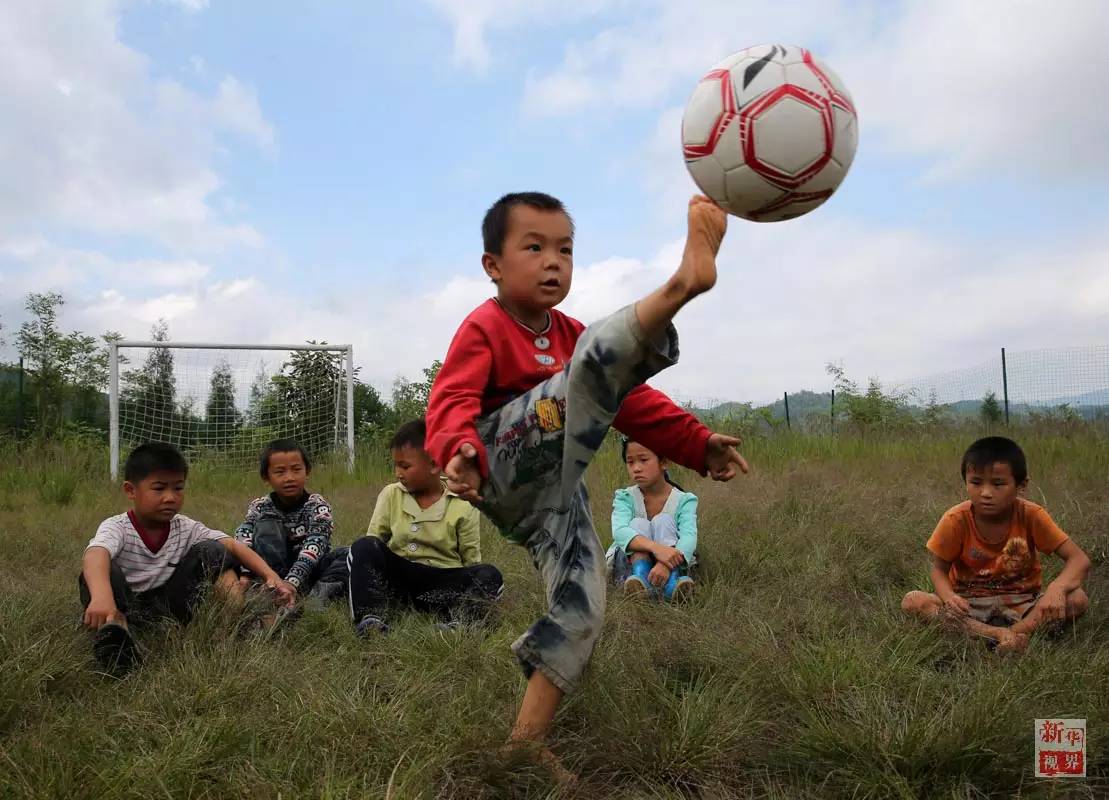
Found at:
<point>113,410</point>
<point>833,410</point>
<point>785,397</point>
<point>1005,385</point>
<point>19,404</point>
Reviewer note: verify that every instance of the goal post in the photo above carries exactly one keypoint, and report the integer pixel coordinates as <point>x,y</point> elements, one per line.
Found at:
<point>224,401</point>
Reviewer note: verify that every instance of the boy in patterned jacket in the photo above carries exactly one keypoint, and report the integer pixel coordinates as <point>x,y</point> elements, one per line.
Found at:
<point>291,529</point>
<point>525,397</point>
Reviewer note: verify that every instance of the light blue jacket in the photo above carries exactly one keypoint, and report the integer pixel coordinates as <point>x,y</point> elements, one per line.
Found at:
<point>628,505</point>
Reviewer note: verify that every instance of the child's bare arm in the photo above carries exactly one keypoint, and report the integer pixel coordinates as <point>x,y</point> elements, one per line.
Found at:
<point>670,556</point>
<point>944,590</point>
<point>96,566</point>
<point>1053,604</point>
<point>286,594</point>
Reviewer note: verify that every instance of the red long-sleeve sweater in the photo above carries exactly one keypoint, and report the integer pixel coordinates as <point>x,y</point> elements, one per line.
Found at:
<point>493,358</point>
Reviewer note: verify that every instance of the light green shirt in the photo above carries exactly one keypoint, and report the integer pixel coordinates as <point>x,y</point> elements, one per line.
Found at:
<point>446,534</point>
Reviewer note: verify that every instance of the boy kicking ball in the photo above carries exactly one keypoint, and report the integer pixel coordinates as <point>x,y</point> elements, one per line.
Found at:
<point>525,397</point>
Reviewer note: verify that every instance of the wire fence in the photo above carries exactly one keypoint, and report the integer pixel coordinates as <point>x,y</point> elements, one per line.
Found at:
<point>1062,385</point>
<point>1057,385</point>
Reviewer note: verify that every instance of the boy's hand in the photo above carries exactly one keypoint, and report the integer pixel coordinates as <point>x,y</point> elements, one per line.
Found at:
<point>659,574</point>
<point>285,594</point>
<point>670,556</point>
<point>463,475</point>
<point>957,605</point>
<point>722,458</point>
<point>100,611</point>
<point>1053,604</point>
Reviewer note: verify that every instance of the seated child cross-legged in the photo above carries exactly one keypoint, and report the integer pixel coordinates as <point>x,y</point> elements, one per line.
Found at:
<point>525,397</point>
<point>153,562</point>
<point>654,525</point>
<point>985,555</point>
<point>291,528</point>
<point>422,549</point>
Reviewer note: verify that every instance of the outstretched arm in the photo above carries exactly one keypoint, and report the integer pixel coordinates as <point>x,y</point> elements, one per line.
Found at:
<point>453,409</point>
<point>96,567</point>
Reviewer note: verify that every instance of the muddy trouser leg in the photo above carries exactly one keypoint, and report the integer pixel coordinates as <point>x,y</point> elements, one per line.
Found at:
<point>539,446</point>
<point>458,594</point>
<point>198,569</point>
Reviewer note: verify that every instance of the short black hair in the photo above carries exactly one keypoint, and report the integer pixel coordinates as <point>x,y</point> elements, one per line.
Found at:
<point>410,434</point>
<point>495,225</point>
<point>153,457</point>
<point>281,446</point>
<point>992,449</point>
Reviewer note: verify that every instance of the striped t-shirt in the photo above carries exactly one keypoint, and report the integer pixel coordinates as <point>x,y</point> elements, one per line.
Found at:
<point>143,569</point>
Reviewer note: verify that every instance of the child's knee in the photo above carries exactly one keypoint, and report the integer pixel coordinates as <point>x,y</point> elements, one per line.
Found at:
<point>1078,603</point>
<point>918,603</point>
<point>367,549</point>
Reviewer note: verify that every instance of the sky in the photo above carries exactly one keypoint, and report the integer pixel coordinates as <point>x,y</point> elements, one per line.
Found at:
<point>265,172</point>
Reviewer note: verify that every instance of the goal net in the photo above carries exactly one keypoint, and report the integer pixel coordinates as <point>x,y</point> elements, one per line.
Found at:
<point>225,402</point>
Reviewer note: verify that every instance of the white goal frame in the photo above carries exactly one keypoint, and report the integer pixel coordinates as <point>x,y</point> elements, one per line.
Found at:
<point>113,382</point>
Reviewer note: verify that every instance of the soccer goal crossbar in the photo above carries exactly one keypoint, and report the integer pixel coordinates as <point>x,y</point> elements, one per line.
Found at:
<point>225,400</point>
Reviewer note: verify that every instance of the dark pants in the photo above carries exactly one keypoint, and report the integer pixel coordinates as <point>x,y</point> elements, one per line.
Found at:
<point>178,597</point>
<point>328,579</point>
<point>379,578</point>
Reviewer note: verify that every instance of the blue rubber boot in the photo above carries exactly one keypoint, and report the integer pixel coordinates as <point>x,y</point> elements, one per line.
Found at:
<point>637,583</point>
<point>678,588</point>
<point>671,582</point>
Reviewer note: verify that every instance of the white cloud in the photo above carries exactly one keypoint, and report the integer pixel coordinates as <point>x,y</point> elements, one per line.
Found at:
<point>894,304</point>
<point>94,142</point>
<point>236,107</point>
<point>474,20</point>
<point>191,6</point>
<point>994,84</point>
<point>791,297</point>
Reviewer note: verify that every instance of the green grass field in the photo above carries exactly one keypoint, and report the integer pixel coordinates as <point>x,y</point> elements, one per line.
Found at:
<point>791,675</point>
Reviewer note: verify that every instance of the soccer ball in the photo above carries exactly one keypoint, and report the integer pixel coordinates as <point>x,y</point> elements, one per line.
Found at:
<point>769,133</point>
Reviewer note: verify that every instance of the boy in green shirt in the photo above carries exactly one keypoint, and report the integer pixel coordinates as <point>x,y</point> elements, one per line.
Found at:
<point>422,549</point>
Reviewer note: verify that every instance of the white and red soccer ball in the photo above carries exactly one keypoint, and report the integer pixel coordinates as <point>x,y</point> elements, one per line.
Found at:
<point>769,133</point>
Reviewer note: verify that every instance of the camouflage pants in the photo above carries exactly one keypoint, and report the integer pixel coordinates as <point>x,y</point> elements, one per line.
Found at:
<point>539,445</point>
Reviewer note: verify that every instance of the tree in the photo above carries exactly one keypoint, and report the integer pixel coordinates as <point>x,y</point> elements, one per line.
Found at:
<point>67,372</point>
<point>222,417</point>
<point>370,411</point>
<point>410,397</point>
<point>935,413</point>
<point>151,390</point>
<point>875,408</point>
<point>308,391</point>
<point>40,344</point>
<point>991,410</point>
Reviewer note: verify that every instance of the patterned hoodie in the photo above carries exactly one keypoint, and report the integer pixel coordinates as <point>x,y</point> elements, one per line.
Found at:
<point>307,523</point>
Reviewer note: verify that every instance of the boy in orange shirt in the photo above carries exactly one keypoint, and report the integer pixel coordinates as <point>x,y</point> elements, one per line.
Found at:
<point>985,555</point>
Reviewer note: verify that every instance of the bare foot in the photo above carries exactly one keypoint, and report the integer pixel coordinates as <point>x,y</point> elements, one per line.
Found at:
<point>707,224</point>
<point>539,753</point>
<point>1012,643</point>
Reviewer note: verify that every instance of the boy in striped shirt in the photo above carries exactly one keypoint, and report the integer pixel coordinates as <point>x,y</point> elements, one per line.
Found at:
<point>154,562</point>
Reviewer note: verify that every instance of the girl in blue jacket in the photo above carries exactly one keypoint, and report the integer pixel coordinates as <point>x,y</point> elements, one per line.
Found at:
<point>654,526</point>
